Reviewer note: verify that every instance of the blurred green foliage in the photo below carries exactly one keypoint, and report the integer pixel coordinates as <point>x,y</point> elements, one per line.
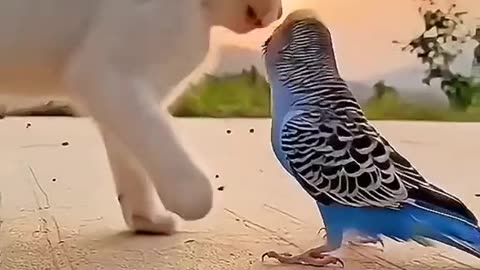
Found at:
<point>391,107</point>
<point>233,95</point>
<point>248,95</point>
<point>442,41</point>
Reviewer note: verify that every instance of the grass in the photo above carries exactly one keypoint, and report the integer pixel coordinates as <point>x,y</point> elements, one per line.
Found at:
<point>390,107</point>
<point>248,95</point>
<point>234,95</point>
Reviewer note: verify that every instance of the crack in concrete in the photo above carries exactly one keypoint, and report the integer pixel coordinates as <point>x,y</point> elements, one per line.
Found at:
<point>455,261</point>
<point>43,214</point>
<point>379,259</point>
<point>260,228</point>
<point>291,217</point>
<point>39,186</point>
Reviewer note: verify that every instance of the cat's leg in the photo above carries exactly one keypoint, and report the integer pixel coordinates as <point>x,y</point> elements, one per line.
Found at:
<point>141,207</point>
<point>124,103</point>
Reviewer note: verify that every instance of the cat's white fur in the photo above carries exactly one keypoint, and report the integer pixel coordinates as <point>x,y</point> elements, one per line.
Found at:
<point>117,59</point>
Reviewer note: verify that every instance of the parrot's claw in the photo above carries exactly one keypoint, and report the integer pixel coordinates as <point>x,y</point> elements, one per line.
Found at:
<point>364,241</point>
<point>323,230</point>
<point>310,258</point>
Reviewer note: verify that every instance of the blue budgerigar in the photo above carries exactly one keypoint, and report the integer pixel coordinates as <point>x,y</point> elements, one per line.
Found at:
<point>359,181</point>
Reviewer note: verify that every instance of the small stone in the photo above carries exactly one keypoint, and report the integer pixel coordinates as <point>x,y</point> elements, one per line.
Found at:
<point>229,131</point>
<point>221,188</point>
<point>65,143</point>
<point>28,125</point>
<point>252,130</point>
<point>54,179</point>
<point>217,176</point>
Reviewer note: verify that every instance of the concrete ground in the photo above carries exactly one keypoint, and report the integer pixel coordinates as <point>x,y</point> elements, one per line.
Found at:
<point>58,208</point>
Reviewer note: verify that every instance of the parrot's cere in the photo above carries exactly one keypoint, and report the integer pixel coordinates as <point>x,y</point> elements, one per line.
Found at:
<point>322,138</point>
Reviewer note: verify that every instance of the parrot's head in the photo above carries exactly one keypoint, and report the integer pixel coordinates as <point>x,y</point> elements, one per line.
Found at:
<point>242,16</point>
<point>299,38</point>
<point>298,55</point>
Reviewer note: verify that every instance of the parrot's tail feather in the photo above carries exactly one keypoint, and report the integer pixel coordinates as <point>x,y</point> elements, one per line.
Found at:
<point>464,237</point>
<point>473,249</point>
<point>424,224</point>
<point>450,230</point>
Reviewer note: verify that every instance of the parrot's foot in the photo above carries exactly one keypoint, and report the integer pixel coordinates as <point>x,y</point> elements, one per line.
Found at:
<point>366,240</point>
<point>360,241</point>
<point>314,257</point>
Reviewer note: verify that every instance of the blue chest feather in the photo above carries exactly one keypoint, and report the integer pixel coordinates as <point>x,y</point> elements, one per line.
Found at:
<point>281,102</point>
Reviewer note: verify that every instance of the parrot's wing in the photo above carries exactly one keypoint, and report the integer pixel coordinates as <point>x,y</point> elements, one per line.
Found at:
<point>348,166</point>
<point>341,160</point>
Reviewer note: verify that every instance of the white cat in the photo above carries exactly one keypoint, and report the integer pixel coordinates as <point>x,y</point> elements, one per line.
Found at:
<point>117,59</point>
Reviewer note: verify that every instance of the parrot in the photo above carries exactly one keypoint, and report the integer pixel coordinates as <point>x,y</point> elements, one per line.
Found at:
<point>358,180</point>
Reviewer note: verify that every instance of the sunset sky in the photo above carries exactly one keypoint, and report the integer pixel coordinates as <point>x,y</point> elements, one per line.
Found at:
<point>363,31</point>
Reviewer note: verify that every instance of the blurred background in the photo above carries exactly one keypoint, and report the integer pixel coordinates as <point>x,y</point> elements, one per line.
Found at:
<point>404,60</point>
